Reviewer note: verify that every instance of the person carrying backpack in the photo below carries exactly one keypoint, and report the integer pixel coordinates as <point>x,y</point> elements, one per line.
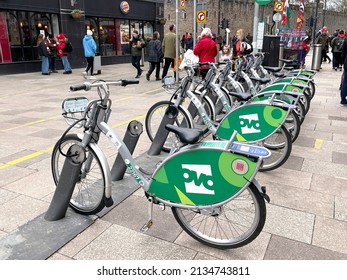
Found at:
<point>336,46</point>
<point>62,53</point>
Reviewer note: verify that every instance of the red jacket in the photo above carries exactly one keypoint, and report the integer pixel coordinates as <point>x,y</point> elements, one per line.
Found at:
<point>206,50</point>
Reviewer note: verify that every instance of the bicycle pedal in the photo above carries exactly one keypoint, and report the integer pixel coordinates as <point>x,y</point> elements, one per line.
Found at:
<point>146,226</point>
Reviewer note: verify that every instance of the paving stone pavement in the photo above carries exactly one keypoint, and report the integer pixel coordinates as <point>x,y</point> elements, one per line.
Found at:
<point>306,219</point>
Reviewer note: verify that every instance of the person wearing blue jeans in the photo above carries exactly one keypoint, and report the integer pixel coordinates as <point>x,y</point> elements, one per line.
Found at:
<point>343,101</point>
<point>43,51</point>
<point>62,41</point>
<point>136,45</point>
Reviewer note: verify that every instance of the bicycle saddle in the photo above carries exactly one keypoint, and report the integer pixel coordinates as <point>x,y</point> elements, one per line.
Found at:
<point>186,135</point>
<point>262,81</point>
<point>273,69</point>
<point>245,96</point>
<point>279,74</point>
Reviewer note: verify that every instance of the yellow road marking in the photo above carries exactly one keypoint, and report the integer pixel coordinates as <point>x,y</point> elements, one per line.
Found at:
<point>318,143</point>
<point>25,158</point>
<point>30,123</point>
<point>36,154</point>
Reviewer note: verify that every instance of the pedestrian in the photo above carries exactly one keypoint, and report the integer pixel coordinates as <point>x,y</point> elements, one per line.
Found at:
<point>343,91</point>
<point>241,45</point>
<point>336,48</point>
<point>323,39</point>
<point>44,54</point>
<point>304,49</point>
<point>89,47</point>
<point>52,44</point>
<point>189,41</point>
<point>62,52</point>
<point>155,55</point>
<point>225,54</point>
<point>136,45</point>
<point>206,50</point>
<point>169,50</point>
<point>183,42</point>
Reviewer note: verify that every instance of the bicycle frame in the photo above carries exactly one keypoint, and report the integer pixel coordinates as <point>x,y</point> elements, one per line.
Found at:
<point>228,163</point>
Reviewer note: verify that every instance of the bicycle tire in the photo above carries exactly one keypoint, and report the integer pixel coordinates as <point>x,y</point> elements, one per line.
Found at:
<point>233,225</point>
<point>300,111</point>
<point>306,101</point>
<point>89,192</point>
<point>293,125</point>
<point>154,117</point>
<point>280,151</point>
<point>312,91</point>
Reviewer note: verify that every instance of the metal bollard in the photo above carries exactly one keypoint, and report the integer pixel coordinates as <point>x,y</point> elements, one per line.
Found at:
<point>130,139</point>
<point>67,181</point>
<point>162,133</point>
<point>281,55</point>
<point>316,57</point>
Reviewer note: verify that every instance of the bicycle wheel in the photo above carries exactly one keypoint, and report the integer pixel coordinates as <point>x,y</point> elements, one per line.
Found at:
<point>300,111</point>
<point>312,89</point>
<point>306,101</point>
<point>89,192</point>
<point>280,145</point>
<point>232,225</point>
<point>293,125</point>
<point>154,117</point>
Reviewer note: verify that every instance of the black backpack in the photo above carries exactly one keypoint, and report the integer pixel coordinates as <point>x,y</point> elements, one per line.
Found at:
<point>68,47</point>
<point>339,44</point>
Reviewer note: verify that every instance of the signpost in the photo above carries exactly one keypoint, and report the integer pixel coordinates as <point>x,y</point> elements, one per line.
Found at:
<point>276,18</point>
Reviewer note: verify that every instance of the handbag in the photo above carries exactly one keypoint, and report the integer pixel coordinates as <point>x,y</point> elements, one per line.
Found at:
<point>188,59</point>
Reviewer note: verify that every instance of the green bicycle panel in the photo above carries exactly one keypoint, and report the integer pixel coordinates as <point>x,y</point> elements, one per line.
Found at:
<point>294,81</point>
<point>202,176</point>
<point>281,87</point>
<point>252,122</point>
<point>287,98</point>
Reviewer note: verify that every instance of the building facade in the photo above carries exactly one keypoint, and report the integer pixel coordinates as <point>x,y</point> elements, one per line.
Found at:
<point>112,23</point>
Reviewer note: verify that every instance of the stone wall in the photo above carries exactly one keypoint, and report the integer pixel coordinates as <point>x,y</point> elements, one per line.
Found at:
<point>240,14</point>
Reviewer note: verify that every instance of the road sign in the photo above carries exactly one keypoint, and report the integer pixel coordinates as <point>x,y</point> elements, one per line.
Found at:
<point>182,4</point>
<point>277,17</point>
<point>278,6</point>
<point>201,16</point>
<point>263,2</point>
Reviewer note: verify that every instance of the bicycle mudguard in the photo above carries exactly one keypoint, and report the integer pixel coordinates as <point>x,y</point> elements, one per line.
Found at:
<point>204,174</point>
<point>282,87</point>
<point>253,122</point>
<point>293,81</point>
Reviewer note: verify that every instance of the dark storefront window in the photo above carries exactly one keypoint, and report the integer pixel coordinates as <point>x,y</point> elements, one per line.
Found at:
<point>19,31</point>
<point>112,36</point>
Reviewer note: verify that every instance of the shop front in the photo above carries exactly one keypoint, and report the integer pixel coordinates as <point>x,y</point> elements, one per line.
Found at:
<point>112,23</point>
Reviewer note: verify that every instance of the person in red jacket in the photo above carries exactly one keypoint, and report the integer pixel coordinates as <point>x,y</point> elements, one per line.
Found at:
<point>62,53</point>
<point>206,50</point>
<point>303,51</point>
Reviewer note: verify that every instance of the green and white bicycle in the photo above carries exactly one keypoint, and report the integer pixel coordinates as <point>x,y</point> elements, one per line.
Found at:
<point>210,186</point>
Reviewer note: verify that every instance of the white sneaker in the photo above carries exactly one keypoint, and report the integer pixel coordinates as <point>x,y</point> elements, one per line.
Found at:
<point>84,74</point>
<point>91,78</point>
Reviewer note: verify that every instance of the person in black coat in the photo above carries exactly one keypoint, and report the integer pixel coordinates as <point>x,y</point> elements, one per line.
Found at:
<point>155,55</point>
<point>44,54</point>
<point>343,101</point>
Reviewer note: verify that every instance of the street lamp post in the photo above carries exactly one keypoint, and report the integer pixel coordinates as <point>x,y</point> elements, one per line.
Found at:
<point>315,22</point>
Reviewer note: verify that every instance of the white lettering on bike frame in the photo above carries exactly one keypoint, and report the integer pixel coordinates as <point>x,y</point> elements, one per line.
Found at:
<point>249,124</point>
<point>194,175</point>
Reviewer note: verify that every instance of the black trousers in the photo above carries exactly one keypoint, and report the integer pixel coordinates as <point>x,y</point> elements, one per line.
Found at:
<point>156,66</point>
<point>90,64</point>
<point>167,63</point>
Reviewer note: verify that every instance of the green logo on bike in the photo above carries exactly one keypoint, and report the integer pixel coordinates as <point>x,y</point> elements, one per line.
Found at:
<point>253,122</point>
<point>202,176</point>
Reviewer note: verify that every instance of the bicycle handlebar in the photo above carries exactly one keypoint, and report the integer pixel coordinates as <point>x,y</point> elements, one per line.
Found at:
<point>87,86</point>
